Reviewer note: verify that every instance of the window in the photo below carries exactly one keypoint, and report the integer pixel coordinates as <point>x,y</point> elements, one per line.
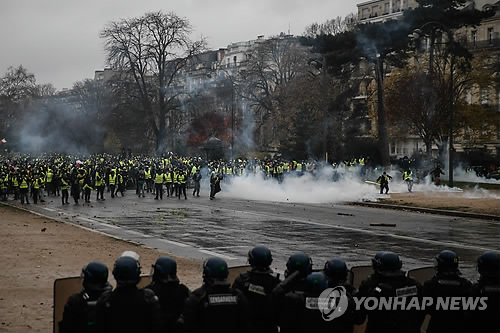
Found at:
<point>474,37</point>
<point>468,96</point>
<point>484,96</point>
<point>490,35</point>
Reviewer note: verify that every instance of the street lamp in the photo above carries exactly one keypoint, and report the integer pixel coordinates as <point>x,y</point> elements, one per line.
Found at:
<point>418,33</point>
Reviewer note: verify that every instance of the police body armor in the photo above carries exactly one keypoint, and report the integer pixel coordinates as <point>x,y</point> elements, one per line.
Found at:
<point>257,286</point>
<point>397,320</point>
<point>216,308</point>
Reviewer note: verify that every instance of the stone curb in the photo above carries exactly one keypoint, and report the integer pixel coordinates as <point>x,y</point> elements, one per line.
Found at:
<point>427,210</point>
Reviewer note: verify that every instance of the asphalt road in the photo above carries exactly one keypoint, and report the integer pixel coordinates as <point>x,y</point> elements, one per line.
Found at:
<point>227,227</point>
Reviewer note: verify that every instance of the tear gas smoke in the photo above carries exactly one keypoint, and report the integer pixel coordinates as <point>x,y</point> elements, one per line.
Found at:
<point>330,185</point>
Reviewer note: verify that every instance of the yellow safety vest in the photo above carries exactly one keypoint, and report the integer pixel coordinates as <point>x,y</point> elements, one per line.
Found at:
<point>112,179</point>
<point>168,177</point>
<point>159,178</point>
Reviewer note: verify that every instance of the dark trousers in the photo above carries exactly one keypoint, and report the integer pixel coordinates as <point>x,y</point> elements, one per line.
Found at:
<point>113,189</point>
<point>24,195</point>
<point>182,190</point>
<point>100,192</point>
<point>196,188</point>
<point>35,195</point>
<point>87,194</point>
<point>384,186</point>
<point>170,189</point>
<point>65,196</point>
<point>159,190</point>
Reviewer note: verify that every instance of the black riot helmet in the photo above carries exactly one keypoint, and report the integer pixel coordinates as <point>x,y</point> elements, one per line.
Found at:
<point>298,262</point>
<point>260,256</point>
<point>95,276</point>
<point>447,262</point>
<point>389,264</point>
<point>488,265</point>
<point>376,261</point>
<point>336,269</point>
<point>127,271</point>
<point>215,268</point>
<point>165,270</point>
<point>316,282</point>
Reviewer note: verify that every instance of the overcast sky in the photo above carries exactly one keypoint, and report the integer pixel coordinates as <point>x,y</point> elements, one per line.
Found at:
<point>58,40</point>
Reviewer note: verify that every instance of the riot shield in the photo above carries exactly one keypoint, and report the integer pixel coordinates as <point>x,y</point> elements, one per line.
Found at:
<point>358,274</point>
<point>422,274</point>
<point>235,271</point>
<point>65,287</point>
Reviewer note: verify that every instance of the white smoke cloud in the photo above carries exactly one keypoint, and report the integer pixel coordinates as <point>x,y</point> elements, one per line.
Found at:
<point>321,188</point>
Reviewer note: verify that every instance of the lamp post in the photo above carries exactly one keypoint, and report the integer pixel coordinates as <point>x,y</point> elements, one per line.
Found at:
<point>418,33</point>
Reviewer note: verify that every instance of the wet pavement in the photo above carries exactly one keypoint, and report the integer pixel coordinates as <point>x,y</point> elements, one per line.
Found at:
<point>227,227</point>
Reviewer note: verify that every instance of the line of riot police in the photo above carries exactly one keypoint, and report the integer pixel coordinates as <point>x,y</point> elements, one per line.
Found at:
<point>259,301</point>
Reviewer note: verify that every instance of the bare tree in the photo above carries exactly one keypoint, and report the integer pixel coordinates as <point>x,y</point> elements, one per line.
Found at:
<point>152,49</point>
<point>331,27</point>
<point>271,67</point>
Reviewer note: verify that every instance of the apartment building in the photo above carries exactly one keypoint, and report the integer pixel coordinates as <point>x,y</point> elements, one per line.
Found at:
<point>383,10</point>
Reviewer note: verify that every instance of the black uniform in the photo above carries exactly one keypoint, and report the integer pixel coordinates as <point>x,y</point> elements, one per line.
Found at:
<point>216,308</point>
<point>80,312</point>
<point>487,320</point>
<point>446,285</point>
<point>257,286</point>
<point>172,296</point>
<point>392,320</point>
<point>128,309</point>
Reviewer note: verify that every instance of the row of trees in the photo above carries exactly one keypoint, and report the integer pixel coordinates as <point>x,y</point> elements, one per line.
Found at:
<point>298,95</point>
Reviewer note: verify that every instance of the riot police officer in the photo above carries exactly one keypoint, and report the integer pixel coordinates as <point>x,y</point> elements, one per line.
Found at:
<point>128,308</point>
<point>446,283</point>
<point>336,272</point>
<point>257,285</point>
<point>488,285</point>
<point>298,267</point>
<point>392,282</point>
<point>80,311</point>
<point>374,278</point>
<point>301,312</point>
<point>215,306</point>
<point>171,293</point>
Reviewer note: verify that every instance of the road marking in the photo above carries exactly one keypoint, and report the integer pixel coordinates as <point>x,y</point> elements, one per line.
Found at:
<point>49,209</point>
<point>106,225</point>
<point>136,233</point>
<point>215,254</point>
<point>172,242</point>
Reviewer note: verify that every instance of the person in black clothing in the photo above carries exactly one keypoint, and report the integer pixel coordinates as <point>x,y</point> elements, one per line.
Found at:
<point>128,308</point>
<point>197,179</point>
<point>436,174</point>
<point>301,311</point>
<point>383,179</point>
<point>215,179</point>
<point>171,293</point>
<point>488,285</point>
<point>80,311</point>
<point>215,306</point>
<point>298,267</point>
<point>391,281</point>
<point>257,285</point>
<point>446,283</point>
